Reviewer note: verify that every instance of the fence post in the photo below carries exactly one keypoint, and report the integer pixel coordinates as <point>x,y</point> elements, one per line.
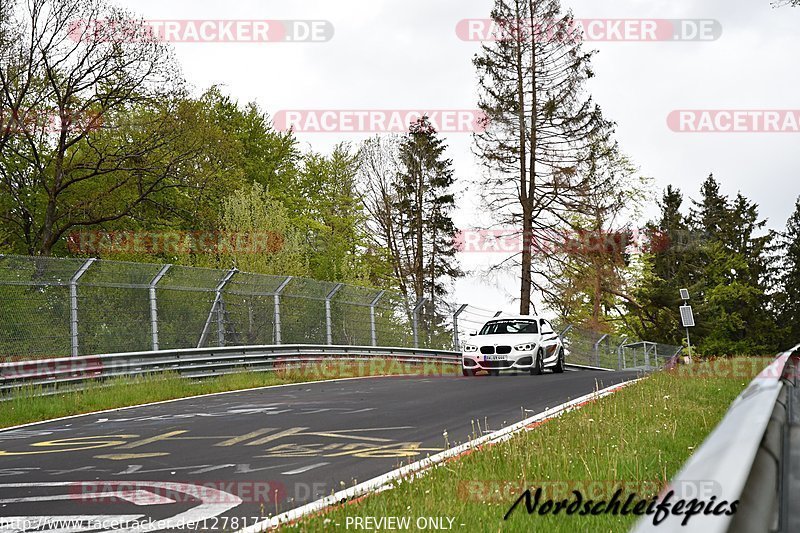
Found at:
<point>277,297</point>
<point>73,305</point>
<point>597,349</point>
<point>415,320</point>
<point>154,305</point>
<point>328,319</point>
<point>566,330</point>
<point>619,354</point>
<point>456,340</point>
<point>372,328</point>
<point>215,309</point>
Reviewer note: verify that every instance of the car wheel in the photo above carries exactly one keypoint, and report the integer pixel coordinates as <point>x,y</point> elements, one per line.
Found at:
<point>559,368</point>
<point>494,373</point>
<point>536,369</point>
<point>467,372</point>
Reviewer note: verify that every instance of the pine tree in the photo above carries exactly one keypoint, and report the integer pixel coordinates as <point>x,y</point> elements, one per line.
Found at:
<point>789,280</point>
<point>424,203</point>
<point>540,126</point>
<point>730,275</point>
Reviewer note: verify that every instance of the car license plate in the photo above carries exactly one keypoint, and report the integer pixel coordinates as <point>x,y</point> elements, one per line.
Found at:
<point>494,358</point>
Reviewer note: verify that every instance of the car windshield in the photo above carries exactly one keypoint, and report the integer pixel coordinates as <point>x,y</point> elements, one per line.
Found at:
<point>505,327</point>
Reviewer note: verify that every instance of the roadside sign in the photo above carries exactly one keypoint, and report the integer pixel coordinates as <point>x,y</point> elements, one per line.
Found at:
<point>687,316</point>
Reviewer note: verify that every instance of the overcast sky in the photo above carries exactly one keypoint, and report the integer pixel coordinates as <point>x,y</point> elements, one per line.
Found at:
<point>405,54</point>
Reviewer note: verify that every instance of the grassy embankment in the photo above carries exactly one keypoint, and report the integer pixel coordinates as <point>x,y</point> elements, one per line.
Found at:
<point>635,439</point>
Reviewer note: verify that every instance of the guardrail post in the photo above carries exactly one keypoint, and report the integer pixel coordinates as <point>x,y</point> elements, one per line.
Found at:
<point>73,305</point>
<point>154,305</point>
<point>456,340</point>
<point>277,297</point>
<point>372,328</point>
<point>215,308</point>
<point>328,319</point>
<point>415,320</point>
<point>597,349</point>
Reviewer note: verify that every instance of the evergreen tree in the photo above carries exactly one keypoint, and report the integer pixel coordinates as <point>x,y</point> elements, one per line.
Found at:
<point>424,203</point>
<point>789,280</point>
<point>541,127</point>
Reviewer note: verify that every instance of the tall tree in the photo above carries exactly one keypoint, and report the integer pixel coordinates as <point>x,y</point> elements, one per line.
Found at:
<point>424,204</point>
<point>378,179</point>
<point>789,280</point>
<point>540,125</point>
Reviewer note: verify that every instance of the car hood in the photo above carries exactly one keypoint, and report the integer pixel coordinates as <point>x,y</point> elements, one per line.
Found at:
<point>503,340</point>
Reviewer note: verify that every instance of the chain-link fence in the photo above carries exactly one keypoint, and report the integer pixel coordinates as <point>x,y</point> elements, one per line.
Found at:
<point>53,307</point>
<point>592,348</point>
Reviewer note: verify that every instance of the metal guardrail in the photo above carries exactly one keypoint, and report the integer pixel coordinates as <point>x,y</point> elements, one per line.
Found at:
<point>194,363</point>
<point>746,459</point>
<point>46,376</point>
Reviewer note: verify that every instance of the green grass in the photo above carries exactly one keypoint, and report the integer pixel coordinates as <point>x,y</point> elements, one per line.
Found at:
<point>637,439</point>
<point>28,406</point>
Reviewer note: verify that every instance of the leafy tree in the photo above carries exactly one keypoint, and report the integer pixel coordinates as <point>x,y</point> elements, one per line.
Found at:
<point>378,179</point>
<point>268,241</point>
<point>329,209</point>
<point>67,160</point>
<point>592,278</point>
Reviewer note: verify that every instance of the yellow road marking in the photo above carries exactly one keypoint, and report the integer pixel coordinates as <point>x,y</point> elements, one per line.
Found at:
<point>276,436</point>
<point>242,438</point>
<point>150,440</point>
<point>129,456</point>
<point>75,444</point>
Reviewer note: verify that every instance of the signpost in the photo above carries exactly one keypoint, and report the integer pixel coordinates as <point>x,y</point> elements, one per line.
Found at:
<point>687,317</point>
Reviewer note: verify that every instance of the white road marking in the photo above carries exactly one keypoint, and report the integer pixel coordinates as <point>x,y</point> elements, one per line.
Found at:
<point>136,497</point>
<point>303,469</point>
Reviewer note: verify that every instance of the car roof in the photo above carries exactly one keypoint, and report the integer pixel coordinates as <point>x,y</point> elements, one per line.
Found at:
<point>515,317</point>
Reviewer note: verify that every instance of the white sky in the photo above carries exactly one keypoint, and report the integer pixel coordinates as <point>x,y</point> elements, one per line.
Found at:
<point>404,54</point>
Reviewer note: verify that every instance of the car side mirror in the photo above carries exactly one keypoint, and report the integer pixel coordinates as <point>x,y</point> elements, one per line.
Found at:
<point>473,333</point>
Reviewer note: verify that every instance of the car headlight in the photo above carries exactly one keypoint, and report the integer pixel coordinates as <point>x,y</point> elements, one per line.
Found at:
<point>470,348</point>
<point>524,347</point>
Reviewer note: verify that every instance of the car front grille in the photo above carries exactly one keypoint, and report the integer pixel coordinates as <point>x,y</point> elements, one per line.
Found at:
<point>491,350</point>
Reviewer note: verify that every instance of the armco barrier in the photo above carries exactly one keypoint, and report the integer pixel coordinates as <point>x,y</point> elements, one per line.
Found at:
<point>43,376</point>
<point>751,458</point>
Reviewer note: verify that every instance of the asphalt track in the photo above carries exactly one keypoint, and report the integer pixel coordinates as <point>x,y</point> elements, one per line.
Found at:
<point>273,449</point>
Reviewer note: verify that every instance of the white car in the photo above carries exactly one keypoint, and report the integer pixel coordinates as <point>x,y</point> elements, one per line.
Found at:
<point>514,343</point>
